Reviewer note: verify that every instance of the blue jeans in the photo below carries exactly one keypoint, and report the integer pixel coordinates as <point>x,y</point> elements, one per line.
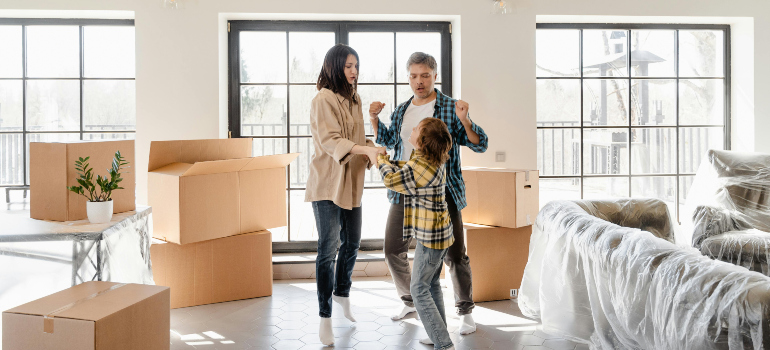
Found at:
<point>426,293</point>
<point>336,227</point>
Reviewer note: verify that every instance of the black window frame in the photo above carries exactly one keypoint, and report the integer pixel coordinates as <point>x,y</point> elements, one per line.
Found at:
<point>628,28</point>
<point>81,23</point>
<point>341,30</point>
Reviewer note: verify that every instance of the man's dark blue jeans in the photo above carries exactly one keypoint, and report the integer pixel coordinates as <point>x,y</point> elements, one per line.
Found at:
<point>336,227</point>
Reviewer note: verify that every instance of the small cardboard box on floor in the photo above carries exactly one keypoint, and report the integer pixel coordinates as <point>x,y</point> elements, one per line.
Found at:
<point>224,269</point>
<point>498,256</point>
<point>52,169</point>
<point>501,197</point>
<point>92,316</point>
<point>207,189</point>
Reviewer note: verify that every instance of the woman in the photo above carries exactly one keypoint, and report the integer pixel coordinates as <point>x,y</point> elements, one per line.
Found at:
<point>336,181</point>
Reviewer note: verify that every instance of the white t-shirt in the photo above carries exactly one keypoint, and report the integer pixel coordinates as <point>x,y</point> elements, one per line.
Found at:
<point>413,116</point>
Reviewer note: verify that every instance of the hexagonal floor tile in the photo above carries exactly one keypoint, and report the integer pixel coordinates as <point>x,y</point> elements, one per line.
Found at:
<point>477,342</point>
<point>392,330</point>
<point>396,340</point>
<point>366,326</point>
<point>559,344</point>
<point>544,335</point>
<point>369,346</point>
<point>526,340</point>
<point>367,336</point>
<point>506,345</point>
<point>288,345</point>
<point>293,316</point>
<point>290,334</point>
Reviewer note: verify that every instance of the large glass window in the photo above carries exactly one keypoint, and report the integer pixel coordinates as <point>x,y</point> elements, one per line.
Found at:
<point>274,67</point>
<point>629,110</point>
<point>63,80</point>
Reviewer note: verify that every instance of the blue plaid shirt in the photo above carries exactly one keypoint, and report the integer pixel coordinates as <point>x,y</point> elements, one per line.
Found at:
<point>444,110</point>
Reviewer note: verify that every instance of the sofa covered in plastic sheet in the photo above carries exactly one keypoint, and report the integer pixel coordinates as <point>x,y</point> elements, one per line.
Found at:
<point>607,273</point>
<point>728,209</point>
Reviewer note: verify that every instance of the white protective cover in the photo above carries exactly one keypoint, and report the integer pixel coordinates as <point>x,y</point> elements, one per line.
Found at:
<point>594,281</point>
<point>730,192</point>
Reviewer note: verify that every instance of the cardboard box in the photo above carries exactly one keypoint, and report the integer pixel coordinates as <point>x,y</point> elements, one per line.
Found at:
<point>501,197</point>
<point>207,189</point>
<point>52,169</point>
<point>498,256</point>
<point>93,316</point>
<point>225,269</point>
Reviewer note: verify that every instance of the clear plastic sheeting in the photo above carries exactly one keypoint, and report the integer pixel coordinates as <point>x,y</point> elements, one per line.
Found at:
<point>38,258</point>
<point>730,192</point>
<point>590,280</point>
<point>748,248</point>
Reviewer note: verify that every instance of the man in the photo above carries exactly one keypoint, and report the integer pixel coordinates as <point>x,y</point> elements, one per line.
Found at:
<point>428,102</point>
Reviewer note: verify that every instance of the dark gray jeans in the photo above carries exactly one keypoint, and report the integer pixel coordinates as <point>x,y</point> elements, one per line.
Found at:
<point>456,259</point>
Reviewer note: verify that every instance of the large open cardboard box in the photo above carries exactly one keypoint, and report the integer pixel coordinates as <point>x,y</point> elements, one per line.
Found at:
<point>52,169</point>
<point>207,189</point>
<point>501,197</point>
<point>224,269</point>
<point>498,256</point>
<point>92,316</point>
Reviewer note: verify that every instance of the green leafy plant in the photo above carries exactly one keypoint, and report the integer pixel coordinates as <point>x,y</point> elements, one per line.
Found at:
<point>106,184</point>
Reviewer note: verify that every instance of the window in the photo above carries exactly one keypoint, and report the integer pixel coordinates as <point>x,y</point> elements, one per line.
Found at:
<point>63,80</point>
<point>629,110</point>
<point>273,71</point>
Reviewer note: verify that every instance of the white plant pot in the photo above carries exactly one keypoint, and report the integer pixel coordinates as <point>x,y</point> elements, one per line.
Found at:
<point>99,212</point>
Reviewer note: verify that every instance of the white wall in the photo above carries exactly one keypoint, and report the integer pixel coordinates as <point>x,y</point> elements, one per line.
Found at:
<point>179,76</point>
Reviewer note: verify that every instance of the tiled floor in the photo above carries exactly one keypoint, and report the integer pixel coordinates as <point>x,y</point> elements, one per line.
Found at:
<point>289,320</point>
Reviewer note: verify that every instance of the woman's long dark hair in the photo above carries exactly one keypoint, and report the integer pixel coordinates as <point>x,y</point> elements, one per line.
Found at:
<point>332,74</point>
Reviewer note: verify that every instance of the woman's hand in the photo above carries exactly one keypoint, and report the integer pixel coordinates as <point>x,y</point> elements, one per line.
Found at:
<point>372,152</point>
<point>369,152</point>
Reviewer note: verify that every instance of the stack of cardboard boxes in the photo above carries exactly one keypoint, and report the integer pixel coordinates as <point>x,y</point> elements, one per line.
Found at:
<point>502,206</point>
<point>212,204</point>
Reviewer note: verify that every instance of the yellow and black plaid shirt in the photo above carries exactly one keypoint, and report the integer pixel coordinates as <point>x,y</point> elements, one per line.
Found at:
<point>426,216</point>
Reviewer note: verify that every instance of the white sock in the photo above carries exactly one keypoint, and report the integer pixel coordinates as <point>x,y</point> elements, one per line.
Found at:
<point>467,325</point>
<point>426,341</point>
<point>325,332</point>
<point>345,303</point>
<point>405,310</point>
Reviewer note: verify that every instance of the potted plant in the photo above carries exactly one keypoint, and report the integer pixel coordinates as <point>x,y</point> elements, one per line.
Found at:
<point>99,206</point>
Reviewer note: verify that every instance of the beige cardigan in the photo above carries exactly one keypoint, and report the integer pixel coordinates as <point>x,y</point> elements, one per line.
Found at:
<point>335,174</point>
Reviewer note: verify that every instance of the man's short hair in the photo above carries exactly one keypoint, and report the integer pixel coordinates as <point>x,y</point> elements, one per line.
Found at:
<point>422,58</point>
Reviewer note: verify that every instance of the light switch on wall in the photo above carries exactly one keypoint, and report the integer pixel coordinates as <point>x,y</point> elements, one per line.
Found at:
<point>500,156</point>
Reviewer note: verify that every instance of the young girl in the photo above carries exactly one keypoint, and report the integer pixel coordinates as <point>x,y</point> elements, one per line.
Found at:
<point>422,181</point>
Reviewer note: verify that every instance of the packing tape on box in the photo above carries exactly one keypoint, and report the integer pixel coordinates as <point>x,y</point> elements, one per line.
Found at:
<point>48,318</point>
<point>526,176</point>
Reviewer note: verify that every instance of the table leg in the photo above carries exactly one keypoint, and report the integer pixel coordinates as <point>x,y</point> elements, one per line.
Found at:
<point>75,259</point>
<point>99,260</point>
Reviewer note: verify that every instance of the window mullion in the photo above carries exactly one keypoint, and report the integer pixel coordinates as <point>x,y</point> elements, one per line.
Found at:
<point>582,111</point>
<point>24,103</point>
<point>676,73</point>
<point>630,106</point>
<point>288,139</point>
<point>82,59</point>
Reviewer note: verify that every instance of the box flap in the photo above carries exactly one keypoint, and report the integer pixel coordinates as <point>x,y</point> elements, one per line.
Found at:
<point>191,151</point>
<point>174,169</point>
<point>217,167</point>
<point>89,301</point>
<point>269,162</point>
